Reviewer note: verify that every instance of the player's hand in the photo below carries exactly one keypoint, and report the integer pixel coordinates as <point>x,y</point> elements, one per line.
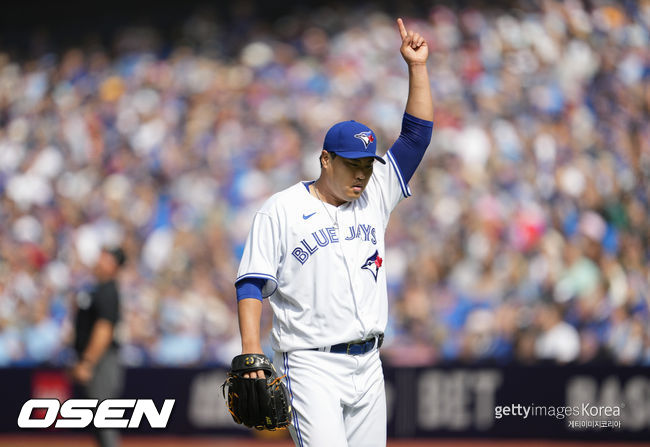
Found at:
<point>414,48</point>
<point>259,374</point>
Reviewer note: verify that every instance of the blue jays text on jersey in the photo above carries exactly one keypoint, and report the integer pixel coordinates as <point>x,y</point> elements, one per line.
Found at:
<point>325,236</point>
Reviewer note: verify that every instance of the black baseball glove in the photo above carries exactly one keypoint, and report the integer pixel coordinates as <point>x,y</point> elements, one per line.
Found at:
<point>260,403</point>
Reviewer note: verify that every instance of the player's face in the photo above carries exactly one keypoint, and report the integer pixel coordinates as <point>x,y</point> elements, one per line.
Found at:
<point>350,176</point>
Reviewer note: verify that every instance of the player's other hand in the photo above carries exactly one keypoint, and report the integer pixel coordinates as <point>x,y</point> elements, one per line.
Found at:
<point>414,48</point>
<point>259,374</point>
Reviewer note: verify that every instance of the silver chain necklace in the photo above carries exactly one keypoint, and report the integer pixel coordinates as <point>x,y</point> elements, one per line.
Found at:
<point>334,222</point>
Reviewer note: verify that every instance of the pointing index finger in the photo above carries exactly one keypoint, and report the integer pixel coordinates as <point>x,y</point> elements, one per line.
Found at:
<point>402,28</point>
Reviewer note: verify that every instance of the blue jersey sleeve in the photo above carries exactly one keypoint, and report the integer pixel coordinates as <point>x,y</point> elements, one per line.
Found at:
<point>406,153</point>
<point>250,288</point>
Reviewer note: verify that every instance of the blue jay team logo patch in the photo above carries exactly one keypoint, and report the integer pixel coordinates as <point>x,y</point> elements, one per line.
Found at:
<point>366,137</point>
<point>372,264</point>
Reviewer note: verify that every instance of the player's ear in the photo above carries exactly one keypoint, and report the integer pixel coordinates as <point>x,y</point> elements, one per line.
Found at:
<point>325,158</point>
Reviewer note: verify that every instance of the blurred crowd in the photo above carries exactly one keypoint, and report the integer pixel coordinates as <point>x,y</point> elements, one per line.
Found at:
<point>526,239</point>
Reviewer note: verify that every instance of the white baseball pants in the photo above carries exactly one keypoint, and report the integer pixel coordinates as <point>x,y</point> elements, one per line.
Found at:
<point>338,400</point>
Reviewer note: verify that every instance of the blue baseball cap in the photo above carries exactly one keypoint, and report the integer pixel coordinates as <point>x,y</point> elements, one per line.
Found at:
<point>350,139</point>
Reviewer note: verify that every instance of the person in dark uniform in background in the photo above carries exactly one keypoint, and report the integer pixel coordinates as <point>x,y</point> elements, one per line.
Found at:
<point>98,368</point>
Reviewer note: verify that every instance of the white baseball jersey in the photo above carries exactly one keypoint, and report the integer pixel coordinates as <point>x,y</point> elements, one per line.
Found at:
<point>325,285</point>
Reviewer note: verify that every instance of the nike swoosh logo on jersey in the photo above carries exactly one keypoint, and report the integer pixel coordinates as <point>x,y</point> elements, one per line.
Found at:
<point>307,216</point>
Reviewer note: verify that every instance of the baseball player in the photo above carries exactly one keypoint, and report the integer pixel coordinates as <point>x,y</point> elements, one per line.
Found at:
<point>316,250</point>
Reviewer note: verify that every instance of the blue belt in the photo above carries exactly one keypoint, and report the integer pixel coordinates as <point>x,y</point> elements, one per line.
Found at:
<point>355,347</point>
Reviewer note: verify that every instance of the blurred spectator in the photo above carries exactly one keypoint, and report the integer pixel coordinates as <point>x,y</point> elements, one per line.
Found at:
<point>558,340</point>
<point>535,185</point>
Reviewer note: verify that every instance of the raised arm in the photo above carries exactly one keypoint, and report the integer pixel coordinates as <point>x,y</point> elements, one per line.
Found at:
<point>406,153</point>
<point>415,52</point>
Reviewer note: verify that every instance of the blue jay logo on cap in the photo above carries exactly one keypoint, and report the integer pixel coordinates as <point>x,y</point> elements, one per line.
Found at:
<point>366,137</point>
